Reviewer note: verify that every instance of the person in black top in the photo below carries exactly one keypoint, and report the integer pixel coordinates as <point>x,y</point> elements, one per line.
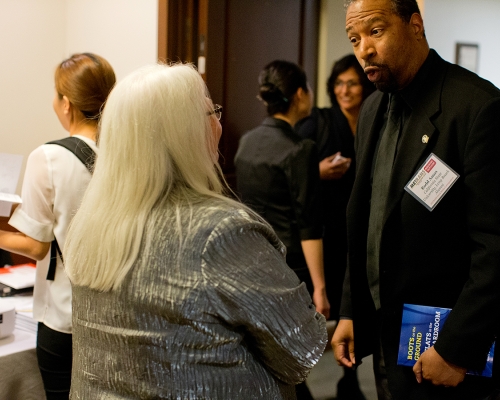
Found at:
<point>333,130</point>
<point>277,176</point>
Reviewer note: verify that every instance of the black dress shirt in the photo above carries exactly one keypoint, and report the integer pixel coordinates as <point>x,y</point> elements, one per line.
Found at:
<point>329,128</point>
<point>278,176</point>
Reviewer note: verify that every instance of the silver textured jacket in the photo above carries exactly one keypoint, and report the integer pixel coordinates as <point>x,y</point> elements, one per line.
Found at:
<point>216,314</point>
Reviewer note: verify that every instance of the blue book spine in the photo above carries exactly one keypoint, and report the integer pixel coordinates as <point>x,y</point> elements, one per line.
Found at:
<point>420,329</point>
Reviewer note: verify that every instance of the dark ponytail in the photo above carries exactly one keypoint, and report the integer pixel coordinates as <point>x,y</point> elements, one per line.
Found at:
<point>279,81</point>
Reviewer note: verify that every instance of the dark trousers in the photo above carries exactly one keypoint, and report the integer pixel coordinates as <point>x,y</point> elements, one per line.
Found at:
<point>54,352</point>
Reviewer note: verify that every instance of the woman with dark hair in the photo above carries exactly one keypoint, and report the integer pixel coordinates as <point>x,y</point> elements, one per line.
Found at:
<point>349,90</point>
<point>277,176</point>
<point>54,183</point>
<point>333,131</point>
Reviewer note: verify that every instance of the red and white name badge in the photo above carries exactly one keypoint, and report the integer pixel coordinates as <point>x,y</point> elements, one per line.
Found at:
<point>431,182</point>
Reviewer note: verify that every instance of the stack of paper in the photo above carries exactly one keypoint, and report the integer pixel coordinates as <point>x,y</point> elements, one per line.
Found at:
<point>25,330</point>
<point>24,312</point>
<point>19,276</point>
<point>10,168</point>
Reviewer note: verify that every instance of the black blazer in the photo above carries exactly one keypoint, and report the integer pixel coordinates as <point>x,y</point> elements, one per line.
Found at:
<point>449,257</point>
<point>329,129</point>
<point>278,177</point>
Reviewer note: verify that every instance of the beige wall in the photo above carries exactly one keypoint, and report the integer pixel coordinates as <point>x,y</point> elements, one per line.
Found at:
<point>333,44</point>
<point>35,35</point>
<point>125,32</point>
<point>31,41</point>
<point>448,22</point>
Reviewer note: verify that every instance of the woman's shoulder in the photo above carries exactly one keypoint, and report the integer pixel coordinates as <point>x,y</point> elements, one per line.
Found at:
<point>232,223</point>
<point>230,217</point>
<point>58,147</point>
<point>37,155</point>
<point>265,131</point>
<point>39,160</point>
<point>217,209</point>
<point>49,152</point>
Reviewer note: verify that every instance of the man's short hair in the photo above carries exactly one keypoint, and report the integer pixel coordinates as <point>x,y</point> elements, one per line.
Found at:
<point>402,8</point>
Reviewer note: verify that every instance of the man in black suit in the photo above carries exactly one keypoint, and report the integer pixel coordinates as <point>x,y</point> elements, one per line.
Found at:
<point>440,253</point>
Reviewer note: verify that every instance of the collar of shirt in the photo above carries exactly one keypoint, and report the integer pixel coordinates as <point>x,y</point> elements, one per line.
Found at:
<point>411,93</point>
<point>284,126</point>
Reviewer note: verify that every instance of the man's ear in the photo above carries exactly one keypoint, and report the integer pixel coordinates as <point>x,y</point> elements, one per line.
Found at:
<point>417,24</point>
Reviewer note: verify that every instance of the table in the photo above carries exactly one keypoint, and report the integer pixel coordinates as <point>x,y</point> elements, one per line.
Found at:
<point>20,377</point>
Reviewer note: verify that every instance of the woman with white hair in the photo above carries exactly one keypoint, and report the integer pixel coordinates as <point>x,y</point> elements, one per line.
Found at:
<point>178,291</point>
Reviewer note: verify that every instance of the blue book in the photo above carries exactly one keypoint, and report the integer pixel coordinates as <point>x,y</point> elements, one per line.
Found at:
<point>420,329</point>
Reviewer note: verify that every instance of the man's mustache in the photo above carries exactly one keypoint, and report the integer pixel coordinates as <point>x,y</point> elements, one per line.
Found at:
<point>372,64</point>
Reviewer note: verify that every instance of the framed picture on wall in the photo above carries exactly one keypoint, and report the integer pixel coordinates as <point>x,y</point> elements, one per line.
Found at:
<point>467,56</point>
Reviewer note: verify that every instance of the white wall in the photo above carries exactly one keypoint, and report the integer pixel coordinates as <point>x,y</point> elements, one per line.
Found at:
<point>333,44</point>
<point>450,21</point>
<point>31,42</point>
<point>35,35</point>
<point>124,32</point>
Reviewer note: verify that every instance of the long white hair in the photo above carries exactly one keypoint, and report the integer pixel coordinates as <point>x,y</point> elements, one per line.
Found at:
<point>156,146</point>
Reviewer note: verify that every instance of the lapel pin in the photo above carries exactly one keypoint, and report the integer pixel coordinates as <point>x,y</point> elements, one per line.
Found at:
<point>425,139</point>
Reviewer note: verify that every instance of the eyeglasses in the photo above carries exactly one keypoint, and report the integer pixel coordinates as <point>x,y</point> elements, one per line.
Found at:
<point>217,111</point>
<point>349,84</point>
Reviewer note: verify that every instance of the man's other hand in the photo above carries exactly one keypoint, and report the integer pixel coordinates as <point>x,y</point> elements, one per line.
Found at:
<point>434,368</point>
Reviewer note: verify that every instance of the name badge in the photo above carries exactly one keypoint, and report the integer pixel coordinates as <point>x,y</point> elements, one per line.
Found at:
<point>431,182</point>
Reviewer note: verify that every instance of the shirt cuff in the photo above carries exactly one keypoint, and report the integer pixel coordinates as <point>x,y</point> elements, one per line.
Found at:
<point>30,227</point>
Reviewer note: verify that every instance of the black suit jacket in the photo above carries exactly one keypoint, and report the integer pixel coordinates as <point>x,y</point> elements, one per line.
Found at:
<point>449,257</point>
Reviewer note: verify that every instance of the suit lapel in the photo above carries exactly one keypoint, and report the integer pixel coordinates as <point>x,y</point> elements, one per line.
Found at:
<point>373,114</point>
<point>413,147</point>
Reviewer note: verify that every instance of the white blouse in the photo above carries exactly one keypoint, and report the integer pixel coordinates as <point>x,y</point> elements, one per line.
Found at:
<point>53,187</point>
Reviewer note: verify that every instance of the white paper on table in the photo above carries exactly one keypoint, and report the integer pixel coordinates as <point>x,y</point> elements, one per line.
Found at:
<point>18,277</point>
<point>10,168</point>
<point>10,198</point>
<point>22,338</point>
<point>22,304</point>
<point>18,341</point>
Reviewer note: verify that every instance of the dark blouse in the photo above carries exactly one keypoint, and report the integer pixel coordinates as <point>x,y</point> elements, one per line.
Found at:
<point>278,176</point>
<point>329,128</point>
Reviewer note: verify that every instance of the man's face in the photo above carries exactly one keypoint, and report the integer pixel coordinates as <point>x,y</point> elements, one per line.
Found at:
<point>383,43</point>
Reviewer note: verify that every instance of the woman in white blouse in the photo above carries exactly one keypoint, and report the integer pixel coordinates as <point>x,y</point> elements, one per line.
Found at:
<point>54,183</point>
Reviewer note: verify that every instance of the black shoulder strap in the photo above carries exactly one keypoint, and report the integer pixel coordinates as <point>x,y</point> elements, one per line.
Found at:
<point>87,156</point>
<point>80,149</point>
<point>54,251</point>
